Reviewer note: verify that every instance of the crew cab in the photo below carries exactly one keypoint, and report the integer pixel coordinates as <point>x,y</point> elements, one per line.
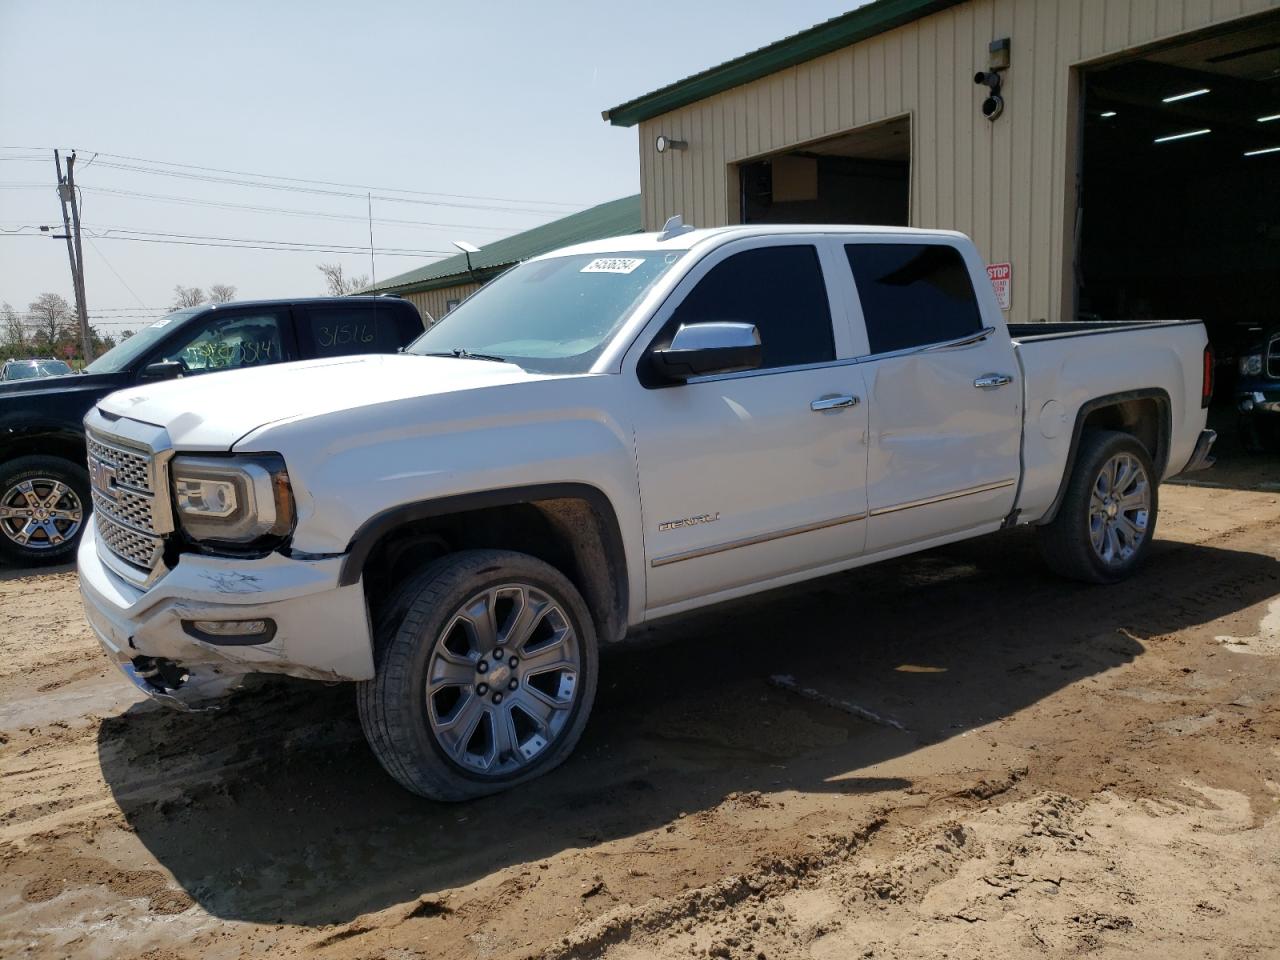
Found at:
<point>44,490</point>
<point>603,436</point>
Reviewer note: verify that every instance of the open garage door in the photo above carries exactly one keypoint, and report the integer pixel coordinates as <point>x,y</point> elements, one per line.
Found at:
<point>862,176</point>
<point>1180,187</point>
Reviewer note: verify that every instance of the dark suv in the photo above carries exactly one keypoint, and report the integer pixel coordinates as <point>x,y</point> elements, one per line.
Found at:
<point>1258,393</point>
<point>44,489</point>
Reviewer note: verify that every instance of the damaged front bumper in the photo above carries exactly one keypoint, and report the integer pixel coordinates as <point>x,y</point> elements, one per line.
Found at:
<point>319,630</point>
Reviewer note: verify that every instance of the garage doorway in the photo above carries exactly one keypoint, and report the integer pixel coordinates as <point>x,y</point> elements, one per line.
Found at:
<point>1179,202</point>
<point>862,176</point>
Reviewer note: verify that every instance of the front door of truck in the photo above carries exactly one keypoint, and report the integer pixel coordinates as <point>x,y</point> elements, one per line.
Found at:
<point>944,394</point>
<point>746,477</point>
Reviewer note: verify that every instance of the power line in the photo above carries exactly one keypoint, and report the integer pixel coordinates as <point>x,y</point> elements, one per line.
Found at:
<point>571,204</point>
<point>284,246</point>
<point>334,183</point>
<point>293,188</point>
<point>116,272</point>
<point>318,214</point>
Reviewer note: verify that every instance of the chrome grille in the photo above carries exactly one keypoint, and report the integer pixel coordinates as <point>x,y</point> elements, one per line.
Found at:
<point>1273,358</point>
<point>123,481</point>
<point>141,551</point>
<point>129,508</point>
<point>132,469</point>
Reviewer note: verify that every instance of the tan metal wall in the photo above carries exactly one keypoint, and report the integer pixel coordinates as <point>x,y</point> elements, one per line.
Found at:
<point>435,302</point>
<point>1008,184</point>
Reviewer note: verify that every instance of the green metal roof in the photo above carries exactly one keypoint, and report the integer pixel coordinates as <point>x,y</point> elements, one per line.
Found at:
<point>613,219</point>
<point>842,31</point>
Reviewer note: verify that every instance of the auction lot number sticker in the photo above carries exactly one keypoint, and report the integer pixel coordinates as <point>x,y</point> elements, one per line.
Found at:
<point>612,265</point>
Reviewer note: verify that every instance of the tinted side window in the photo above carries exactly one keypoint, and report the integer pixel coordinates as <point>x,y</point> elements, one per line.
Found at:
<point>780,290</point>
<point>913,294</point>
<point>222,341</point>
<point>340,329</point>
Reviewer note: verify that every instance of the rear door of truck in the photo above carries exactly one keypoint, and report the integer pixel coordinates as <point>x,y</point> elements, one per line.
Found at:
<point>944,391</point>
<point>369,325</point>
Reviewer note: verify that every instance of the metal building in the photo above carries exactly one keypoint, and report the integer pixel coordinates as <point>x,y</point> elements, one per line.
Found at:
<point>439,287</point>
<point>1129,169</point>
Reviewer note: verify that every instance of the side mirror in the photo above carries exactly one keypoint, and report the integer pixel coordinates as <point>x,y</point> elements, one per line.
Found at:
<point>699,349</point>
<point>162,370</point>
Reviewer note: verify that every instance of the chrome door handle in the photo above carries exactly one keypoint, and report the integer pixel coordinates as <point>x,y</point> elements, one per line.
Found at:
<point>989,380</point>
<point>838,402</point>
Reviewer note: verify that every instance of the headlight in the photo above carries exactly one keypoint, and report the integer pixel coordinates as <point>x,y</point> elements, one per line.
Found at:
<point>1251,365</point>
<point>240,502</point>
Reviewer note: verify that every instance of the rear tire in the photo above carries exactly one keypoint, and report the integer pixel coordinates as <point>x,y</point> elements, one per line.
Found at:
<point>44,506</point>
<point>1108,515</point>
<point>485,676</point>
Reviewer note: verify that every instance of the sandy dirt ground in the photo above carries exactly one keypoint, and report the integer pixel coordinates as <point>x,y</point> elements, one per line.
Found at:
<point>1081,770</point>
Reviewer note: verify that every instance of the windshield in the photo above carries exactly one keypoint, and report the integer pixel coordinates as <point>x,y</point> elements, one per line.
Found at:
<point>36,368</point>
<point>549,316</point>
<point>124,354</point>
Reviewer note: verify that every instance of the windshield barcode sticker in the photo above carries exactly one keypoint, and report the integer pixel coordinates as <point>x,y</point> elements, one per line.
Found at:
<point>612,265</point>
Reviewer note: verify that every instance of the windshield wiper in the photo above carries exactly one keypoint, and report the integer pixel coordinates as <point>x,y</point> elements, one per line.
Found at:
<point>463,354</point>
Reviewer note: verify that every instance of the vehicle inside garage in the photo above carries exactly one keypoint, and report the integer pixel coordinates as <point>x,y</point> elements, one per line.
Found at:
<point>1180,186</point>
<point>862,176</point>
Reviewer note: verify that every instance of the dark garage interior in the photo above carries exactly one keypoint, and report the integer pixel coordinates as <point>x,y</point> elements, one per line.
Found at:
<point>863,176</point>
<point>1180,187</point>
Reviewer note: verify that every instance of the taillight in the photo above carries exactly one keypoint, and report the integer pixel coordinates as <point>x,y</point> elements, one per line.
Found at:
<point>1206,385</point>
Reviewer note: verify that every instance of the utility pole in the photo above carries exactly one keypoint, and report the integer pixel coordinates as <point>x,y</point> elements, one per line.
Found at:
<point>67,194</point>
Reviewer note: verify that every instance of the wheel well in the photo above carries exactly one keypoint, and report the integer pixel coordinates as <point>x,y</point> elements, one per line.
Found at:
<point>576,536</point>
<point>65,445</point>
<point>1139,417</point>
<point>1143,414</point>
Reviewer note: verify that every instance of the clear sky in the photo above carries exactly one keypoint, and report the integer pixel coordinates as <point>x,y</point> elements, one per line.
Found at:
<point>475,100</point>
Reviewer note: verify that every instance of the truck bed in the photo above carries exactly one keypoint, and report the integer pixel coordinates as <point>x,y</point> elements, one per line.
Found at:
<point>1026,332</point>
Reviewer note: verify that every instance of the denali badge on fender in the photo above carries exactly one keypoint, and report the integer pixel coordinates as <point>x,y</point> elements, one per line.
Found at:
<point>688,522</point>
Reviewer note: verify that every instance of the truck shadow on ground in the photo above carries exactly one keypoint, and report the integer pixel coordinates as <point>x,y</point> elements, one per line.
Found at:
<point>275,811</point>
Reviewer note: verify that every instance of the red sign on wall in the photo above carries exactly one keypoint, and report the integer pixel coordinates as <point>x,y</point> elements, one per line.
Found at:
<point>1001,277</point>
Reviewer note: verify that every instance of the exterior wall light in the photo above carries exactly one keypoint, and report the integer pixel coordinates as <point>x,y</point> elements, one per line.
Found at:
<point>997,63</point>
<point>665,143</point>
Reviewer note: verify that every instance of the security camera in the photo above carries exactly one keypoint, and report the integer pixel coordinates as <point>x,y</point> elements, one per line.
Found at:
<point>993,105</point>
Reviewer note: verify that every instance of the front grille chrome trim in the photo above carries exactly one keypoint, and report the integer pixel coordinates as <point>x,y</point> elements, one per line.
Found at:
<point>129,481</point>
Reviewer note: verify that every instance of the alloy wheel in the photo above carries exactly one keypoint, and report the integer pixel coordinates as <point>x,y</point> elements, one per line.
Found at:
<point>40,513</point>
<point>502,679</point>
<point>1119,509</point>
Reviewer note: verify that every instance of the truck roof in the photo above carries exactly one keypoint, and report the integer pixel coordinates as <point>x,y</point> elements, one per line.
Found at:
<point>289,301</point>
<point>697,236</point>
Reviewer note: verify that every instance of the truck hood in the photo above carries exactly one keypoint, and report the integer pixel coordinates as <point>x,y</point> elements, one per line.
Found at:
<point>213,411</point>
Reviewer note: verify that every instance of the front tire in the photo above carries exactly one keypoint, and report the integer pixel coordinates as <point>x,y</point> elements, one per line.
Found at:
<point>485,681</point>
<point>1106,520</point>
<point>44,505</point>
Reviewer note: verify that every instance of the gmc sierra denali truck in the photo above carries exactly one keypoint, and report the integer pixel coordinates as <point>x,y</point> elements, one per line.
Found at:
<point>44,490</point>
<point>609,434</point>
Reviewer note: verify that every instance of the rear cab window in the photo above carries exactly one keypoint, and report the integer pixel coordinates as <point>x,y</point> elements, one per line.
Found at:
<point>341,329</point>
<point>913,294</point>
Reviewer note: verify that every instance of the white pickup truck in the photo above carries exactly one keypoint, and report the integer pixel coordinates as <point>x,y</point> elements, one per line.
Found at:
<point>609,434</point>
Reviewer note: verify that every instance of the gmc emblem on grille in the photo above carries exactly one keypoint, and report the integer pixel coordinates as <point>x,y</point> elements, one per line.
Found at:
<point>103,477</point>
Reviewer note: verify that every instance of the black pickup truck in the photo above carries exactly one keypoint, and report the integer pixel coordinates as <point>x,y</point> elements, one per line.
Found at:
<point>44,489</point>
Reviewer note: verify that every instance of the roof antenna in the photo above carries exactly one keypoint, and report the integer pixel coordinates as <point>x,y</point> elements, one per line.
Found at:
<point>674,227</point>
